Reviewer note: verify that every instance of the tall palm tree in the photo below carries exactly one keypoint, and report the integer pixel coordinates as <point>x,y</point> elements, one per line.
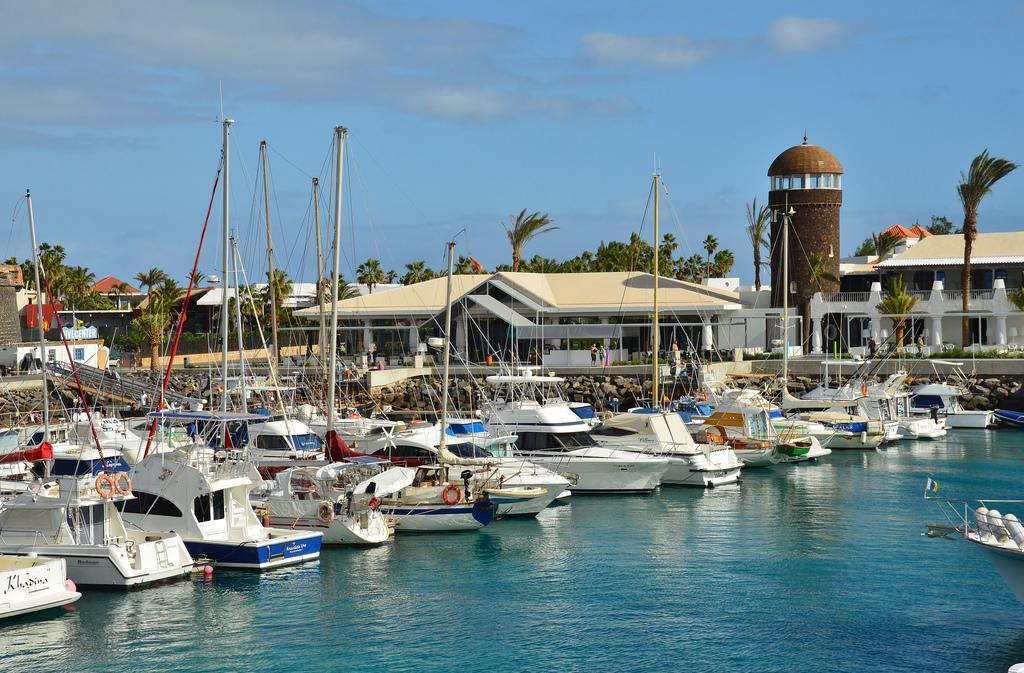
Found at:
<point>710,245</point>
<point>723,262</point>
<point>524,228</point>
<point>897,304</point>
<point>417,272</point>
<point>391,277</point>
<point>370,274</point>
<point>149,280</point>
<point>984,173</point>
<point>118,291</point>
<point>818,273</point>
<point>757,230</point>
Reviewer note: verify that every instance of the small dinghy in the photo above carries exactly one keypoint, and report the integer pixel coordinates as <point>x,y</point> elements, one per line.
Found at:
<point>1013,419</point>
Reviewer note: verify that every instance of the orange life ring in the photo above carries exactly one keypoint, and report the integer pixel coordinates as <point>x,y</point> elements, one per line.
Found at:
<point>449,489</point>
<point>122,478</point>
<point>720,438</point>
<point>374,503</point>
<point>325,512</point>
<point>105,487</point>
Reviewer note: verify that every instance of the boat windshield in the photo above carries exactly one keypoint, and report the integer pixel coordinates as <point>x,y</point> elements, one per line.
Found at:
<point>466,450</point>
<point>308,441</point>
<point>551,441</point>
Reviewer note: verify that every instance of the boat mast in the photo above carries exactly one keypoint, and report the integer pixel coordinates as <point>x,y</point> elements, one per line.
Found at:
<point>320,280</point>
<point>238,323</point>
<point>226,284</point>
<point>39,317</point>
<point>271,361</point>
<point>446,358</point>
<point>655,398</point>
<point>785,299</point>
<point>340,132</point>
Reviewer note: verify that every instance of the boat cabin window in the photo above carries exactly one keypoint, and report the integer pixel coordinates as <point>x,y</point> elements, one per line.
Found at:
<point>549,441</point>
<point>929,401</point>
<point>405,451</point>
<point>469,451</point>
<point>87,524</point>
<point>612,432</point>
<point>272,442</point>
<point>209,507</point>
<point>147,503</point>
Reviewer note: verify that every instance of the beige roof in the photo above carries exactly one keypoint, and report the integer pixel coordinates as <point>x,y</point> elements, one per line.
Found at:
<point>425,297</point>
<point>991,248</point>
<point>607,292</point>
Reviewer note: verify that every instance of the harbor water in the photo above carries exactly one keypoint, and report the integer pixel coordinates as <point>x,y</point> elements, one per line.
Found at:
<point>815,567</point>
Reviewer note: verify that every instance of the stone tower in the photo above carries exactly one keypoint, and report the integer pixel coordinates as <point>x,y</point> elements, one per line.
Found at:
<point>10,326</point>
<point>807,179</point>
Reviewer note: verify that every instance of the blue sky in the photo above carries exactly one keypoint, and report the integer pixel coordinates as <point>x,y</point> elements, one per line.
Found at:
<point>463,112</point>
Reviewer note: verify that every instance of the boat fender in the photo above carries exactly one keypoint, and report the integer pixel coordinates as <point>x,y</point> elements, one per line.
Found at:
<point>451,494</point>
<point>374,503</point>
<point>122,483</point>
<point>325,512</point>
<point>995,521</point>
<point>104,486</point>
<point>863,436</point>
<point>864,390</point>
<point>1015,529</point>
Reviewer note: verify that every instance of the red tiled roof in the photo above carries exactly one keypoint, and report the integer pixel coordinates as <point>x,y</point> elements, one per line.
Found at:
<point>105,285</point>
<point>899,231</point>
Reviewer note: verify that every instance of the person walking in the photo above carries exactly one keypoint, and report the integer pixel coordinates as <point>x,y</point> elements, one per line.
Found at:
<point>920,345</point>
<point>602,355</point>
<point>593,355</point>
<point>872,346</point>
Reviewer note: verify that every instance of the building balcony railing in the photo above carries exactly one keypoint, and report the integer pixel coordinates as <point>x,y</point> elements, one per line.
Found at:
<point>845,297</point>
<point>958,295</point>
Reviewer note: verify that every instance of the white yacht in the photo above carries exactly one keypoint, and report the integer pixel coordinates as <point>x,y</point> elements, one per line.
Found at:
<point>944,399</point>
<point>549,434</point>
<point>76,519</point>
<point>287,439</point>
<point>324,500</point>
<point>204,496</point>
<point>663,434</point>
<point>1001,538</point>
<point>32,583</point>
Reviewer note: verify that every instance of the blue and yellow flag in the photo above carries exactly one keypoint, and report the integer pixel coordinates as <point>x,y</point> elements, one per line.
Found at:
<point>931,486</point>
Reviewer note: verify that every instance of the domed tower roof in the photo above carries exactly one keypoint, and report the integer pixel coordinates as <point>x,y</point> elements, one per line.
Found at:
<point>805,158</point>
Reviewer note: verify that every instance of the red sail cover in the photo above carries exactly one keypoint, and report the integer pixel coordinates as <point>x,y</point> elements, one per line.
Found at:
<point>42,452</point>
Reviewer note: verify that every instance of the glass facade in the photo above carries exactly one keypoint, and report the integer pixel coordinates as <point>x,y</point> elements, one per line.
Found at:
<point>807,181</point>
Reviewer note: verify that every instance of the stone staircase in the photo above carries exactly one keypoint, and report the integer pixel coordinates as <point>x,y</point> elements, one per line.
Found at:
<point>125,389</point>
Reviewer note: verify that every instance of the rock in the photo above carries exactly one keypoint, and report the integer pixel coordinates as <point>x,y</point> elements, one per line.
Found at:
<point>1000,392</point>
<point>979,391</point>
<point>980,403</point>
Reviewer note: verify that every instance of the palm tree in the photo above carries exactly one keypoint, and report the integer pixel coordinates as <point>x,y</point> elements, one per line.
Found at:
<point>724,260</point>
<point>710,245</point>
<point>818,272</point>
<point>198,280</point>
<point>984,173</point>
<point>417,272</point>
<point>283,288</point>
<point>391,277</point>
<point>524,228</point>
<point>897,304</point>
<point>149,280</point>
<point>463,265</point>
<point>757,230</point>
<point>118,290</point>
<point>370,273</point>
<point>885,243</point>
<point>151,327</point>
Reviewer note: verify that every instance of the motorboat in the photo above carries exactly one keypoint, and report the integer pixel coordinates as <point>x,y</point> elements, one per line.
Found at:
<point>203,494</point>
<point>77,518</point>
<point>424,500</point>
<point>32,583</point>
<point>757,431</point>
<point>323,500</point>
<point>663,434</point>
<point>549,434</point>
<point>468,439</point>
<point>944,399</point>
<point>286,439</point>
<point>1001,539</point>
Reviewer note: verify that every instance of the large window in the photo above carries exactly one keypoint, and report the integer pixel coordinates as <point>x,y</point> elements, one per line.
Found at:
<point>209,507</point>
<point>549,441</point>
<point>147,503</point>
<point>272,442</point>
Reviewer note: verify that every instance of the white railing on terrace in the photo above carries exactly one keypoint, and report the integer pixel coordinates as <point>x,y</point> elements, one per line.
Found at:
<point>845,297</point>
<point>951,295</point>
<point>920,295</point>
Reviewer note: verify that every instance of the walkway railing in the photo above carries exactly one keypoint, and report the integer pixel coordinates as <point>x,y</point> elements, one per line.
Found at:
<point>957,295</point>
<point>845,297</point>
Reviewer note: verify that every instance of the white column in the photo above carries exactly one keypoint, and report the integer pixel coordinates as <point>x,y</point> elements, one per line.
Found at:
<point>367,334</point>
<point>708,335</point>
<point>816,336</point>
<point>414,337</point>
<point>461,335</point>
<point>935,328</point>
<point>1000,330</point>
<point>607,342</point>
<point>874,316</point>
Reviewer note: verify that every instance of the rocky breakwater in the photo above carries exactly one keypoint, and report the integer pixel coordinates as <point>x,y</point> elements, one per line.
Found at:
<point>424,394</point>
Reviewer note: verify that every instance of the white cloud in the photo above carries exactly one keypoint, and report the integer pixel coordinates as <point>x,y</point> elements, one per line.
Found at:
<point>668,51</point>
<point>797,33</point>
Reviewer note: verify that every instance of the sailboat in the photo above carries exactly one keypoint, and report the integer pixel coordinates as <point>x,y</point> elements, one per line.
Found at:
<point>659,432</point>
<point>200,489</point>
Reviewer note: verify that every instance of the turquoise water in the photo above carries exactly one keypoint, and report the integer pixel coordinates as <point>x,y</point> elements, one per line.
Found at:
<point>802,568</point>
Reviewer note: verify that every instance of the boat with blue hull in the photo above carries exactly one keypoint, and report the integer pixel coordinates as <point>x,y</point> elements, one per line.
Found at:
<point>1013,419</point>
